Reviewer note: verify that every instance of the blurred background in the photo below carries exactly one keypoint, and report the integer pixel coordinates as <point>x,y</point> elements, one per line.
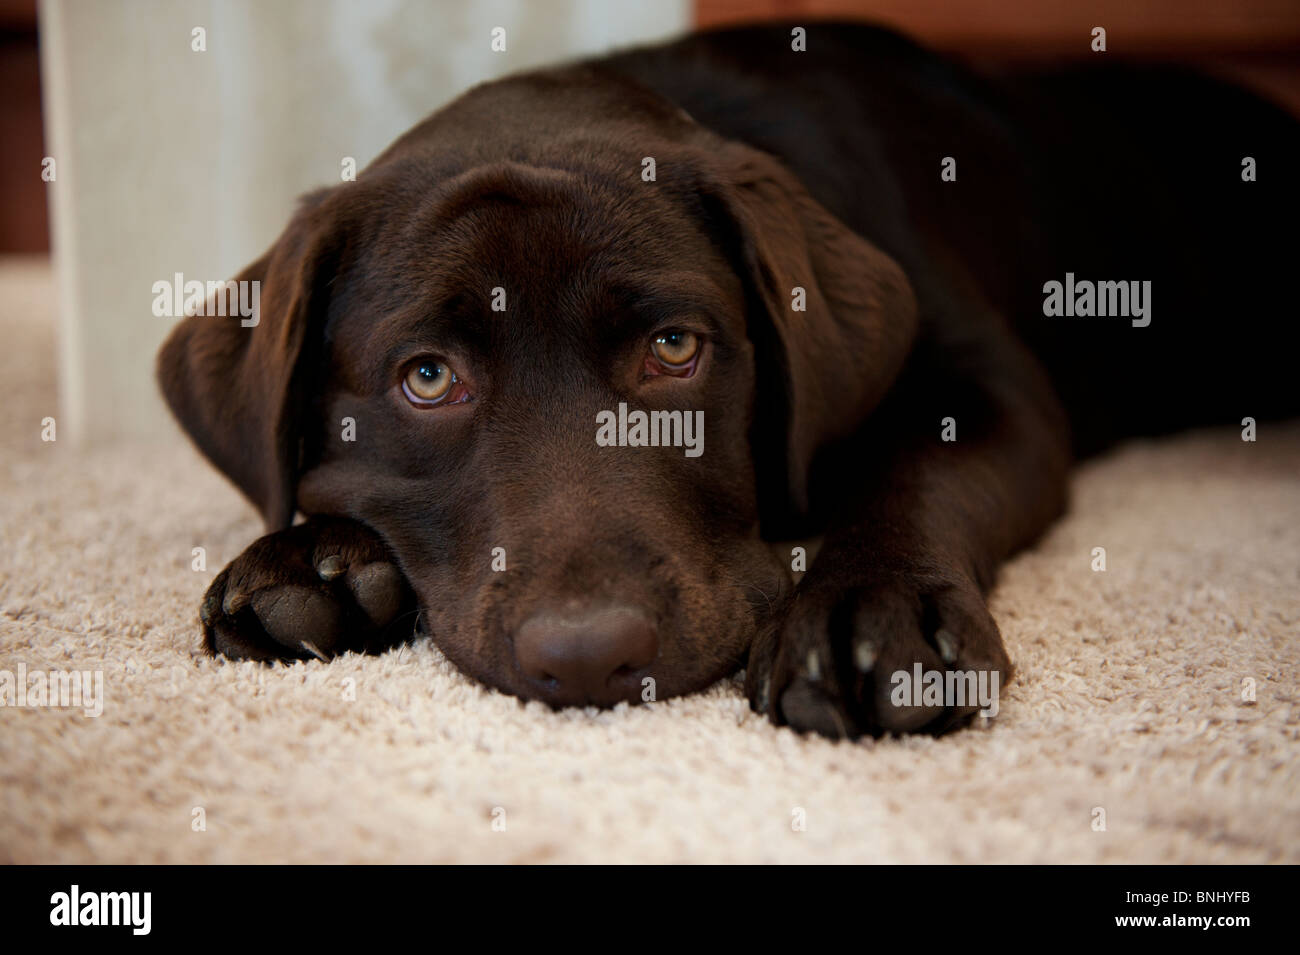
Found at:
<point>181,131</point>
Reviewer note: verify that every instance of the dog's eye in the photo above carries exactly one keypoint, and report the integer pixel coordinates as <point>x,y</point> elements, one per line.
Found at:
<point>673,353</point>
<point>431,381</point>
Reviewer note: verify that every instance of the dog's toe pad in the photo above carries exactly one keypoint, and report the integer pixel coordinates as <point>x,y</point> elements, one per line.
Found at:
<point>807,708</point>
<point>294,614</point>
<point>378,587</point>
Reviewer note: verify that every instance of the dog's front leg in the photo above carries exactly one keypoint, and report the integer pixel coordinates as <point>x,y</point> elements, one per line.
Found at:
<point>316,589</point>
<point>963,465</point>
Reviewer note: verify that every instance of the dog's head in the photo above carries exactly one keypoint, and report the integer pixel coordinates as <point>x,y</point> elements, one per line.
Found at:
<point>565,350</point>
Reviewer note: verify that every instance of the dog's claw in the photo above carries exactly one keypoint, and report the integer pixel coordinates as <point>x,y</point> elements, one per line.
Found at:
<point>235,601</point>
<point>312,649</point>
<point>813,666</point>
<point>331,567</point>
<point>947,644</point>
<point>864,655</point>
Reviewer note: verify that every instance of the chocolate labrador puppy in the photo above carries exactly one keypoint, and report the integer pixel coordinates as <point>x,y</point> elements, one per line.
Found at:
<point>553,375</point>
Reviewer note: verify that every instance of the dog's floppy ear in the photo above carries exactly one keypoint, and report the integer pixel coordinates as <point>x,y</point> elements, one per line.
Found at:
<point>235,384</point>
<point>842,352</point>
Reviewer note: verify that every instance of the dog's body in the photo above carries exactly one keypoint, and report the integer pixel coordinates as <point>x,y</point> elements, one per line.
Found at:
<point>872,359</point>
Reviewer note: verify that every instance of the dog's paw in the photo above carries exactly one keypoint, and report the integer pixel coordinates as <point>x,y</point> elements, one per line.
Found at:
<point>843,661</point>
<point>314,590</point>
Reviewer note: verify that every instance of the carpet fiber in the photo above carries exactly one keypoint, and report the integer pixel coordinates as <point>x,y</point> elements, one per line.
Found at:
<point>1128,700</point>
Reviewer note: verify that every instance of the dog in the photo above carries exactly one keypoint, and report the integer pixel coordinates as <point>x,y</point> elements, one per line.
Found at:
<point>899,298</point>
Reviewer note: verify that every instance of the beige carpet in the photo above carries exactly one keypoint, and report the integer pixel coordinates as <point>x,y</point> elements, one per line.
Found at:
<point>1129,695</point>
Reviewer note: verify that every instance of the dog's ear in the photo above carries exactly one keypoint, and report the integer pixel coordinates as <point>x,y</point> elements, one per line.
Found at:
<point>236,384</point>
<point>838,355</point>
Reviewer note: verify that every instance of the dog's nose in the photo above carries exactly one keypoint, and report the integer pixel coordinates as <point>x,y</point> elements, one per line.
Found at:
<point>590,657</point>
